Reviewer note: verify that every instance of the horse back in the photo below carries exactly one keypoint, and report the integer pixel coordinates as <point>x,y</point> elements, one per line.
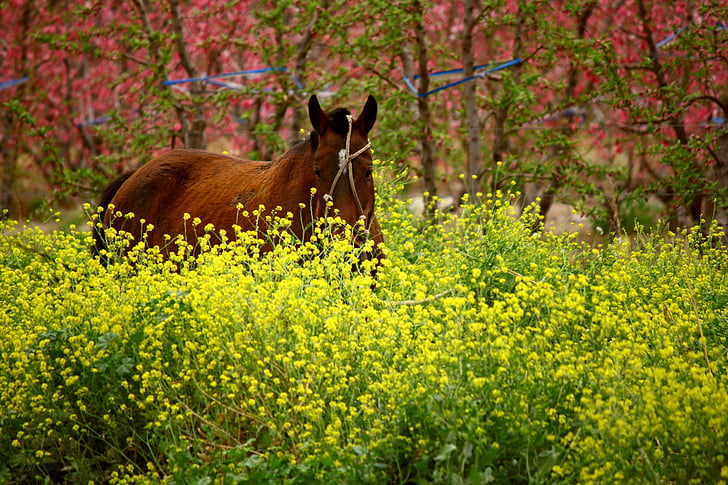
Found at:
<point>183,181</point>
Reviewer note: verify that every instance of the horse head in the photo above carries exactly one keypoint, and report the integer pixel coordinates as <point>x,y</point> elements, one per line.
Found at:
<point>342,163</point>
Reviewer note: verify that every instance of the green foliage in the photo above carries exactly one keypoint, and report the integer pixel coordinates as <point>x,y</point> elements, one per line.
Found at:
<point>484,353</point>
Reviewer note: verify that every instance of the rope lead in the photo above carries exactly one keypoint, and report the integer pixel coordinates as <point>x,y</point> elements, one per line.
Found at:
<point>345,159</point>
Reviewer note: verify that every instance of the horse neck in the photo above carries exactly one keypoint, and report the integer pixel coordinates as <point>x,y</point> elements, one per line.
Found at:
<point>292,178</point>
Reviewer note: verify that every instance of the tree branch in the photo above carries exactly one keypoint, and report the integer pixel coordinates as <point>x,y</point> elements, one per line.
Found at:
<point>707,97</point>
<point>184,53</point>
<point>136,59</point>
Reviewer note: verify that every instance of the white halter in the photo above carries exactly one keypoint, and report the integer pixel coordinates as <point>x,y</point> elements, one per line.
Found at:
<point>345,159</point>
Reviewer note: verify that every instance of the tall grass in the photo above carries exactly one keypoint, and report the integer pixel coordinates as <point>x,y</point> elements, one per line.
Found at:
<point>483,353</point>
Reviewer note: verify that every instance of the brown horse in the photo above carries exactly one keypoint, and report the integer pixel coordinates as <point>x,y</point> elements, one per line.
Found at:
<point>336,160</point>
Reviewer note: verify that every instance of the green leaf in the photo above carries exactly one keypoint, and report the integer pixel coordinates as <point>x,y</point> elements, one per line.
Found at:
<point>126,366</point>
<point>721,301</point>
<point>445,452</point>
<point>106,339</point>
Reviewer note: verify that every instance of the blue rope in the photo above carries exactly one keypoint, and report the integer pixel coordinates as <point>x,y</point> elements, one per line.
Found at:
<point>670,37</point>
<point>249,72</point>
<point>93,122</point>
<point>452,71</point>
<point>12,82</point>
<point>297,81</point>
<point>459,81</point>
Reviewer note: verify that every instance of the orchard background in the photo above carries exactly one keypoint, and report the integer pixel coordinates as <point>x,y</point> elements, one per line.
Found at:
<point>615,108</point>
<point>486,350</point>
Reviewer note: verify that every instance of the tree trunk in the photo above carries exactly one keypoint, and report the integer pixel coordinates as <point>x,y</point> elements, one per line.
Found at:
<point>423,114</point>
<point>717,205</point>
<point>546,195</point>
<point>8,162</point>
<point>501,144</point>
<point>303,48</point>
<point>194,125</point>
<point>690,214</point>
<point>11,127</point>
<point>473,169</point>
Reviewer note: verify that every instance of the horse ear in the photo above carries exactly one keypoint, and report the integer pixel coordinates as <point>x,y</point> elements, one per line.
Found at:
<point>368,115</point>
<point>314,141</point>
<point>319,119</point>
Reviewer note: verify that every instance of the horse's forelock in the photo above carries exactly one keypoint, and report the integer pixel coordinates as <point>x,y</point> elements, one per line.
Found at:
<point>338,121</point>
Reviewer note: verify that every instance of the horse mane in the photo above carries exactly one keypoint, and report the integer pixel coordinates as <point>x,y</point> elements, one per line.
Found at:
<point>338,123</point>
<point>298,145</point>
<point>338,120</point>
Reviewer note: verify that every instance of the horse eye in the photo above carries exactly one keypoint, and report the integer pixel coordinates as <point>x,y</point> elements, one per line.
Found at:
<point>368,173</point>
<point>317,172</point>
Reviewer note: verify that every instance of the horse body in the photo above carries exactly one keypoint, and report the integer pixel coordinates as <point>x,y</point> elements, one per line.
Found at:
<point>205,185</point>
<point>214,187</point>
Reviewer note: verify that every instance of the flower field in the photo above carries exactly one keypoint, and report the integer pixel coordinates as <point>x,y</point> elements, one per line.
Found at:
<point>483,354</point>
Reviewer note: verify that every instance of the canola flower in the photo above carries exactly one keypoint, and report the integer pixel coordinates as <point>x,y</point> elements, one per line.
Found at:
<point>483,353</point>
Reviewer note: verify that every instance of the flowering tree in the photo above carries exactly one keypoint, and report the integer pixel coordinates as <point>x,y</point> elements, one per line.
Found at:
<point>670,94</point>
<point>107,86</point>
<point>598,104</point>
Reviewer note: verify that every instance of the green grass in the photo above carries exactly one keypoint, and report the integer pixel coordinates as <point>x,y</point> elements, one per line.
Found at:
<point>485,354</point>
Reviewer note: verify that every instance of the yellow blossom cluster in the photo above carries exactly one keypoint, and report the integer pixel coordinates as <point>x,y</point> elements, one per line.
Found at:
<point>478,352</point>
